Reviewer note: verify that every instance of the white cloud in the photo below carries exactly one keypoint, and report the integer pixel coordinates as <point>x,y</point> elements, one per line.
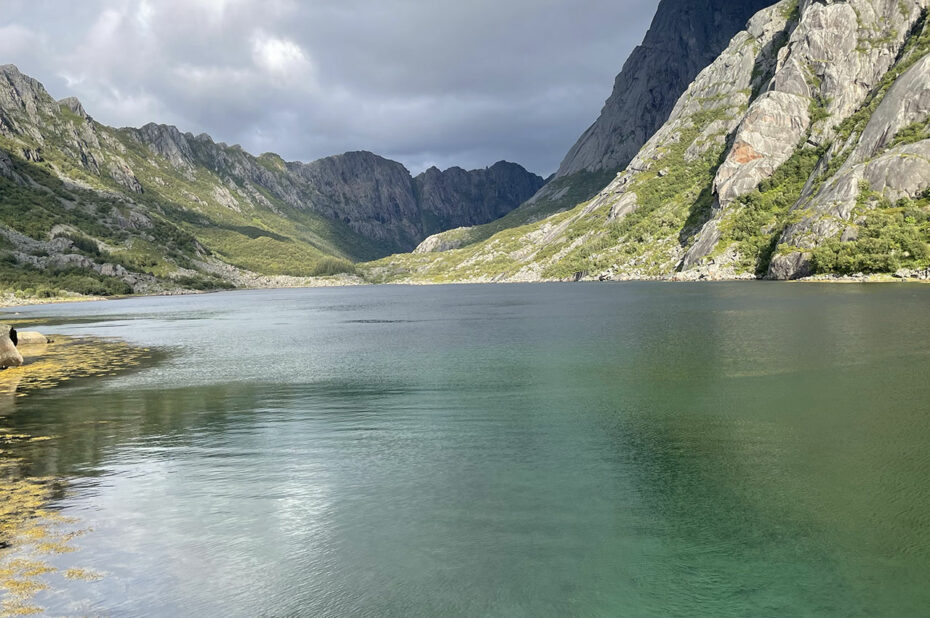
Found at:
<point>443,81</point>
<point>144,14</point>
<point>16,40</point>
<point>282,58</point>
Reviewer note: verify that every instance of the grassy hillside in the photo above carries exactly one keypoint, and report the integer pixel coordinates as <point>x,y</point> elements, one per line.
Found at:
<point>86,209</point>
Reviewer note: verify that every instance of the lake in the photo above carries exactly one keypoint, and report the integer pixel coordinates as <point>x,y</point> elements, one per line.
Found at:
<point>637,449</point>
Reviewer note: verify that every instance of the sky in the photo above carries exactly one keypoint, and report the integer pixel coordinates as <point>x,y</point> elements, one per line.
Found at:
<point>424,82</point>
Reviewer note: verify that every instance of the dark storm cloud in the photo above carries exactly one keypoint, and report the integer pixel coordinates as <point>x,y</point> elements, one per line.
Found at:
<point>442,82</point>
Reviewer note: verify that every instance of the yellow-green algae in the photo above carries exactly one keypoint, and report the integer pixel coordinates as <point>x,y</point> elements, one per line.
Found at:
<point>30,530</point>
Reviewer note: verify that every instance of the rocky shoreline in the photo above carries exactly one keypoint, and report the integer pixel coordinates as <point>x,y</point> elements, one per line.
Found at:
<point>253,282</point>
<point>276,283</point>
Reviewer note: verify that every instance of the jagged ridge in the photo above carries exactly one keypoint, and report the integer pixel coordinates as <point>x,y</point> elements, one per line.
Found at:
<point>259,214</point>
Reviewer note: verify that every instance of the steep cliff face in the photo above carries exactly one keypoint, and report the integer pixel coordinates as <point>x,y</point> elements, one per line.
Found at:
<point>800,150</point>
<point>864,207</point>
<point>818,136</point>
<point>456,198</point>
<point>685,36</point>
<point>370,194</point>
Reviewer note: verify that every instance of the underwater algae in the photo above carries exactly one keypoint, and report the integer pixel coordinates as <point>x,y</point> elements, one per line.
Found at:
<point>31,529</point>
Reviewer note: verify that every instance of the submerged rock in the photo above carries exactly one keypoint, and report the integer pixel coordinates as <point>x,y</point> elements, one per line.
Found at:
<point>31,338</point>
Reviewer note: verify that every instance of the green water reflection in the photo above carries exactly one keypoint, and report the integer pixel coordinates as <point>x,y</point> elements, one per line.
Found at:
<point>736,450</point>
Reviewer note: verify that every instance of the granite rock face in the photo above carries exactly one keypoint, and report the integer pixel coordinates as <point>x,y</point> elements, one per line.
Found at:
<point>437,243</point>
<point>889,34</point>
<point>685,37</point>
<point>822,63</point>
<point>767,136</point>
<point>21,102</point>
<point>370,194</point>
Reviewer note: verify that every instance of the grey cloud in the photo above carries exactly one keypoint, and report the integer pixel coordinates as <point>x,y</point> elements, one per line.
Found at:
<point>439,82</point>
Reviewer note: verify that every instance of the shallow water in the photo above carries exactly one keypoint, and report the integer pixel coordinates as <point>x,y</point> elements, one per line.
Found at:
<point>626,449</point>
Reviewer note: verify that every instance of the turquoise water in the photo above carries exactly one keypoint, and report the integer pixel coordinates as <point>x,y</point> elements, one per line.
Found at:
<point>539,450</point>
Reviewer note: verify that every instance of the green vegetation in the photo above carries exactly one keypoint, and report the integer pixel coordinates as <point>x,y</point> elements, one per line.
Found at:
<point>262,254</point>
<point>50,282</point>
<point>818,109</point>
<point>672,201</point>
<point>34,211</point>
<point>561,194</point>
<point>45,208</point>
<point>330,266</point>
<point>761,216</point>
<point>791,12</point>
<point>911,134</point>
<point>85,245</point>
<point>203,283</point>
<point>890,237</point>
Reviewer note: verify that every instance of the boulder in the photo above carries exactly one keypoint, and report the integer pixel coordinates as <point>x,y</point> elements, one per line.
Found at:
<point>445,241</point>
<point>31,338</point>
<point>9,355</point>
<point>796,265</point>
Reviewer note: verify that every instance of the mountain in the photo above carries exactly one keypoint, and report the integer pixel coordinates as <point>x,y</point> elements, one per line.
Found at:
<point>685,37</point>
<point>89,208</point>
<point>802,149</point>
<point>378,198</point>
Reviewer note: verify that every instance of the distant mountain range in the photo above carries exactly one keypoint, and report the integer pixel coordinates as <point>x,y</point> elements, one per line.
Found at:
<point>89,208</point>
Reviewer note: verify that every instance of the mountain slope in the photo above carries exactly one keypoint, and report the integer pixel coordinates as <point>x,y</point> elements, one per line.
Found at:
<point>116,194</point>
<point>685,36</point>
<point>799,150</point>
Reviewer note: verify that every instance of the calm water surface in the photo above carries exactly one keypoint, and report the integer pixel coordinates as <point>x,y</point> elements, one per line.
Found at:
<point>544,450</point>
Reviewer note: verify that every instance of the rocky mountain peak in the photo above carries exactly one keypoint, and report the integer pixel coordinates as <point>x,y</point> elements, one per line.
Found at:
<point>458,198</point>
<point>355,158</point>
<point>23,100</point>
<point>167,141</point>
<point>73,105</point>
<point>684,38</point>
